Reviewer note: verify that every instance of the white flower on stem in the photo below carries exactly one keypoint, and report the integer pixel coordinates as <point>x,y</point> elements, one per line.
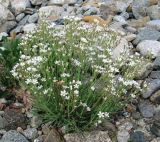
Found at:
<point>88,109</point>
<point>63,93</point>
<point>84,40</point>
<point>76,92</point>
<point>92,88</point>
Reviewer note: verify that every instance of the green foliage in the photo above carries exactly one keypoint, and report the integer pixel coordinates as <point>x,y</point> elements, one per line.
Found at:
<point>9,56</point>
<point>71,75</point>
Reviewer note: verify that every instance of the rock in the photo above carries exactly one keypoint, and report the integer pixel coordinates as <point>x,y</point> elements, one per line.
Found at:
<point>20,16</point>
<point>37,2</point>
<point>155,75</point>
<point>3,34</point>
<point>131,29</point>
<point>36,122</point>
<point>154,24</point>
<point>33,18</point>
<point>137,136</point>
<point>1,113</point>
<point>155,129</point>
<point>7,26</point>
<point>30,133</point>
<point>156,140</point>
<point>126,126</point>
<point>13,136</point>
<point>24,20</point>
<point>147,34</point>
<point>5,14</point>
<point>120,19</point>
<point>3,101</point>
<point>92,11</point>
<point>136,115</point>
<point>51,13</point>
<point>139,8</point>
<point>29,27</point>
<point>123,136</point>
<point>130,37</point>
<point>62,2</point>
<point>149,47</point>
<point>138,23</point>
<point>153,86</point>
<point>39,139</point>
<point>94,136</point>
<point>53,136</point>
<point>153,12</point>
<point>2,123</point>
<point>156,63</point>
<point>14,119</point>
<point>122,48</point>
<point>6,3</point>
<point>18,29</point>
<point>156,97</point>
<point>146,109</point>
<point>19,6</point>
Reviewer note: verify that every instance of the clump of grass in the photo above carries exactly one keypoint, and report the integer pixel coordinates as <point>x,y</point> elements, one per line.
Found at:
<point>71,75</point>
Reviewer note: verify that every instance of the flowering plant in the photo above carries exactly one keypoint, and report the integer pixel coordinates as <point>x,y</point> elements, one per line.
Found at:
<point>71,75</point>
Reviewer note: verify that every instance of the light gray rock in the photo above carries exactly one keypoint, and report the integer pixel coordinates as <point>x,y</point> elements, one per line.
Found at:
<point>155,24</point>
<point>123,136</point>
<point>121,49</point>
<point>156,63</point>
<point>29,27</point>
<point>92,11</point>
<point>147,34</point>
<point>155,75</point>
<point>30,133</point>
<point>139,8</point>
<point>156,97</point>
<point>36,122</point>
<point>33,18</point>
<point>19,6</point>
<point>51,13</point>
<point>20,16</point>
<point>2,123</point>
<point>149,47</point>
<point>153,86</point>
<point>95,136</point>
<point>130,37</point>
<point>138,136</point>
<point>37,2</point>
<point>146,109</point>
<point>153,12</point>
<point>62,2</point>
<point>24,20</point>
<point>18,29</point>
<point>7,26</point>
<point>13,136</point>
<point>6,3</point>
<point>5,14</point>
<point>120,19</point>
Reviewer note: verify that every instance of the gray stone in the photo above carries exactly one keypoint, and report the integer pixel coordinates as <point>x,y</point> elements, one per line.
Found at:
<point>36,122</point>
<point>153,86</point>
<point>154,24</point>
<point>7,26</point>
<point>29,27</point>
<point>33,18</point>
<point>62,2</point>
<point>146,109</point>
<point>24,20</point>
<point>130,37</point>
<point>13,136</point>
<point>155,129</point>
<point>2,123</point>
<point>123,136</point>
<point>30,133</point>
<point>20,16</point>
<point>149,47</point>
<point>156,97</point>
<point>95,136</point>
<point>18,29</point>
<point>91,11</point>
<point>6,3</point>
<point>19,6</point>
<point>137,136</point>
<point>120,19</point>
<point>51,13</point>
<point>153,12</point>
<point>131,29</point>
<point>155,75</point>
<point>147,34</point>
<point>37,2</point>
<point>139,8</point>
<point>156,63</point>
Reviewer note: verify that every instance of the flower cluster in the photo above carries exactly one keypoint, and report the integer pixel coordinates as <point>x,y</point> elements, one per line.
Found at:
<point>71,75</point>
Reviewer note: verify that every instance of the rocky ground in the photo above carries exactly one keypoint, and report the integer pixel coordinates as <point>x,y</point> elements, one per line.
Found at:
<point>138,21</point>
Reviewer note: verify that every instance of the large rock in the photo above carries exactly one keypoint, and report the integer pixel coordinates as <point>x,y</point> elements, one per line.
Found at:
<point>29,27</point>
<point>19,6</point>
<point>147,34</point>
<point>62,2</point>
<point>5,14</point>
<point>6,3</point>
<point>149,47</point>
<point>153,12</point>
<point>50,12</point>
<point>37,2</point>
<point>155,24</point>
<point>95,136</point>
<point>13,136</point>
<point>30,133</point>
<point>155,129</point>
<point>153,86</point>
<point>7,26</point>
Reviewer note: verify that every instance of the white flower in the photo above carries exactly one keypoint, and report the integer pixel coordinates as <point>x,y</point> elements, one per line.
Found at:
<point>92,88</point>
<point>88,109</point>
<point>76,92</point>
<point>63,93</point>
<point>84,40</point>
